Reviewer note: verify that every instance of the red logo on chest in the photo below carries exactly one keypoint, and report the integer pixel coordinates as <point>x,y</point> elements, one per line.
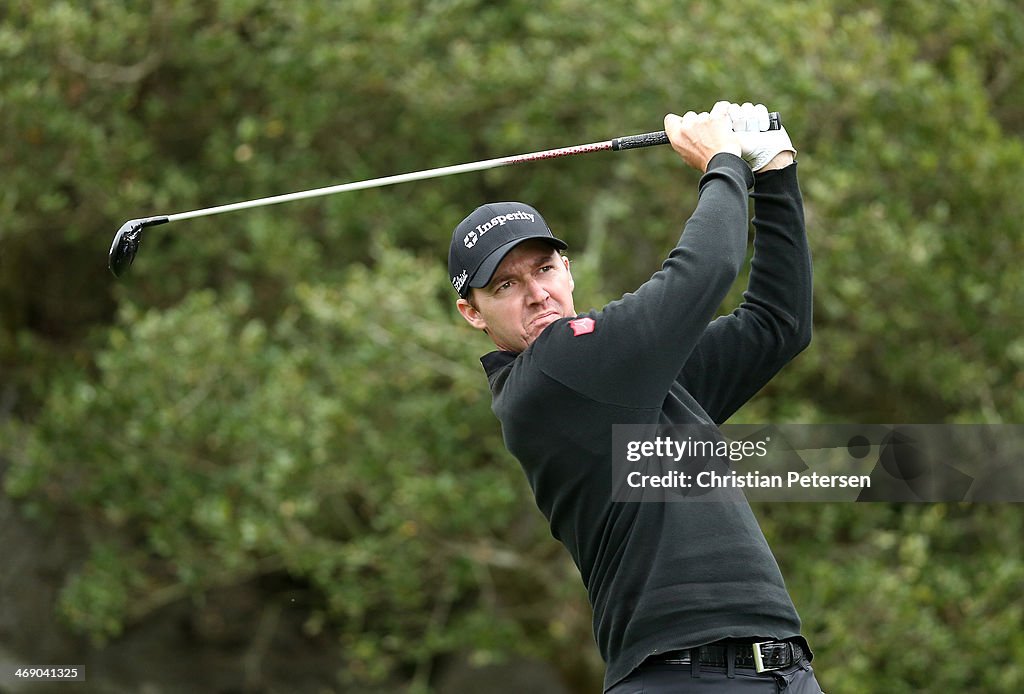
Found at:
<point>582,326</point>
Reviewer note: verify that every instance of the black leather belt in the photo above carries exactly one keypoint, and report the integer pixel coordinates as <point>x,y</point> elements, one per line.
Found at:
<point>763,656</point>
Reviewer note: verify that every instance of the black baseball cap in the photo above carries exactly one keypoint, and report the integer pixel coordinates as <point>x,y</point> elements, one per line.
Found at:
<point>483,239</point>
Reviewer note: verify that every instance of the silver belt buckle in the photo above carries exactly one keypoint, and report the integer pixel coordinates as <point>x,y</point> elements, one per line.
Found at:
<point>759,665</point>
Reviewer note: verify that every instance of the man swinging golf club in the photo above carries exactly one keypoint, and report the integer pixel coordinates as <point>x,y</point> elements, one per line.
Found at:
<point>687,597</point>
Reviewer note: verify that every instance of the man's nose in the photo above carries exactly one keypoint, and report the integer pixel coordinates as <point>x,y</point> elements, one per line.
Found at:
<point>536,292</point>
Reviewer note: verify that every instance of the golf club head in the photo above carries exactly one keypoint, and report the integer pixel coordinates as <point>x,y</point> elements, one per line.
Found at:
<point>126,243</point>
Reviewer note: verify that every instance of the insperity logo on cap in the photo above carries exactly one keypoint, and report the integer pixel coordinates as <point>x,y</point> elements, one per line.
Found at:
<point>482,240</point>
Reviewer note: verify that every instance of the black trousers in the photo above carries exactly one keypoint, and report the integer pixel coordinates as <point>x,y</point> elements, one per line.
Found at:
<point>665,678</point>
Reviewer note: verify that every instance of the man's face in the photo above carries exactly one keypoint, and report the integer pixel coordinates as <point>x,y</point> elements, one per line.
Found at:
<point>530,290</point>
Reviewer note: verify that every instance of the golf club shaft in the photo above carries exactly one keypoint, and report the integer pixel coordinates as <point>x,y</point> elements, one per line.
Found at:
<point>398,178</point>
<point>620,143</point>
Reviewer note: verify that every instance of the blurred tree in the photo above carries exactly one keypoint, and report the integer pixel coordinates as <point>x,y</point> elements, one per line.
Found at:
<point>347,444</point>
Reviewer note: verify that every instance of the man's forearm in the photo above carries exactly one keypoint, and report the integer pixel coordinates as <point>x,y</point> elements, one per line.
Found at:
<point>781,275</point>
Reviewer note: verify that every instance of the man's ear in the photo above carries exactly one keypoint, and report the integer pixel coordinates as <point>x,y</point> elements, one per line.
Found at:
<point>572,282</point>
<point>471,314</point>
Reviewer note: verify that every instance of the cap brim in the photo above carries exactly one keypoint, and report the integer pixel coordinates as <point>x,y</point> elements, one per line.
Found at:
<point>483,274</point>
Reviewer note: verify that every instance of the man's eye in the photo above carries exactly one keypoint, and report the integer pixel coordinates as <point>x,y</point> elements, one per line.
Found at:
<point>503,286</point>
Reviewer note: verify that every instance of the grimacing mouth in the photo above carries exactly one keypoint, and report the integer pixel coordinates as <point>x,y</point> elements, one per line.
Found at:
<point>542,316</point>
<point>535,326</point>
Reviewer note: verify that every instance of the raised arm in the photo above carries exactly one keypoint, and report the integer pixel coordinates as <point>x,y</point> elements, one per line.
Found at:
<point>640,343</point>
<point>739,353</point>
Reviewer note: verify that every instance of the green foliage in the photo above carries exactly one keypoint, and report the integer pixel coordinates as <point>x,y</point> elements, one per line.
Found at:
<point>912,581</point>
<point>215,445</point>
<point>284,392</point>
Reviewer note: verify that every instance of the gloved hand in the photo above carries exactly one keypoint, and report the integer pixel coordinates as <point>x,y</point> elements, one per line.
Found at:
<point>758,145</point>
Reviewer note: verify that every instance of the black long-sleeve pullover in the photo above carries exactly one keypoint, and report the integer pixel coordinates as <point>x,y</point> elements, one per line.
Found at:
<point>667,576</point>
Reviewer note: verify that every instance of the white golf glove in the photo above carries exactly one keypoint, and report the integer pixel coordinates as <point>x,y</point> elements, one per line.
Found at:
<point>758,145</point>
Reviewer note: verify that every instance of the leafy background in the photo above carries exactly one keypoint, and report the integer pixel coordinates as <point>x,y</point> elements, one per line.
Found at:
<point>268,448</point>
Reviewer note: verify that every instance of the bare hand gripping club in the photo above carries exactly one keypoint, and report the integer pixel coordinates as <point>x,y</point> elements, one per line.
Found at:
<point>126,241</point>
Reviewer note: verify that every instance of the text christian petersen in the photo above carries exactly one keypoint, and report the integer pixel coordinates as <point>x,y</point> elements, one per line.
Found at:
<point>667,449</point>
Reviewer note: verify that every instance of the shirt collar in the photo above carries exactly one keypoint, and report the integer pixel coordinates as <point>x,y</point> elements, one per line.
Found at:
<point>497,360</point>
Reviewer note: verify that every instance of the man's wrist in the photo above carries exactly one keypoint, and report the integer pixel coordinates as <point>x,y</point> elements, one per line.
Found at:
<point>730,149</point>
<point>779,161</point>
<point>727,161</point>
<point>711,154</point>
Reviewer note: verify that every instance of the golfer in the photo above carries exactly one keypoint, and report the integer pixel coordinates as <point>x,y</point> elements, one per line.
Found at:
<point>687,597</point>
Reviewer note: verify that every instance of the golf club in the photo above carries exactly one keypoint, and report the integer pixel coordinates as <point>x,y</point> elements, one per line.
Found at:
<point>126,240</point>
